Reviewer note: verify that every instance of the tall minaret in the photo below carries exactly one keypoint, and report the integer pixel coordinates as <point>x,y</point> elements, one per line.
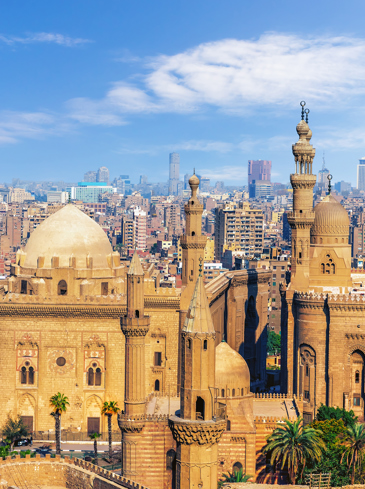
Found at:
<point>192,244</point>
<point>199,427</point>
<point>302,217</point>
<point>135,326</point>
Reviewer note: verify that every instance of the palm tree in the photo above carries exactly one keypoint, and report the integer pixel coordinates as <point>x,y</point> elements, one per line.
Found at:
<point>354,443</point>
<point>293,444</point>
<point>58,403</point>
<point>94,436</point>
<point>108,409</point>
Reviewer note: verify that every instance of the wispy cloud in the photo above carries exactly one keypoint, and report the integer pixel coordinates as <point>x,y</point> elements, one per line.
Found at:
<point>44,37</point>
<point>236,173</point>
<point>239,76</point>
<point>30,125</point>
<point>191,145</point>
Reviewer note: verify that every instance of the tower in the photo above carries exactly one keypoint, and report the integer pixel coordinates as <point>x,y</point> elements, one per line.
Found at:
<point>302,217</point>
<point>199,427</point>
<point>135,326</point>
<point>174,173</point>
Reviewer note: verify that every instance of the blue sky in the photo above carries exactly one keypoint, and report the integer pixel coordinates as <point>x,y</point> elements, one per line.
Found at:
<point>123,83</point>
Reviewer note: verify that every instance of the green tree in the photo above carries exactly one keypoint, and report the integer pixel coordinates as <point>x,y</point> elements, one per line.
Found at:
<point>273,343</point>
<point>58,403</point>
<point>292,445</point>
<point>331,431</point>
<point>95,436</point>
<point>13,430</point>
<point>327,412</point>
<point>354,444</point>
<point>108,409</point>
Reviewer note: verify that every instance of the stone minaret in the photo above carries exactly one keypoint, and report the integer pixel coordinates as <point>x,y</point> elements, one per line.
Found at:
<point>192,244</point>
<point>135,326</point>
<point>199,427</point>
<point>302,217</point>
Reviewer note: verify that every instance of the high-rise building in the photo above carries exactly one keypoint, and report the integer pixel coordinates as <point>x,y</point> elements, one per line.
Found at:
<point>259,170</point>
<point>239,228</point>
<point>88,191</point>
<point>140,228</point>
<point>361,174</point>
<point>174,173</point>
<point>102,175</point>
<point>90,176</point>
<point>342,187</point>
<point>204,184</point>
<point>322,181</point>
<point>260,188</point>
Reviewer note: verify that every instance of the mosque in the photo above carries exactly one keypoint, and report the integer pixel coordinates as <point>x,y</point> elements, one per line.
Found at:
<point>323,329</point>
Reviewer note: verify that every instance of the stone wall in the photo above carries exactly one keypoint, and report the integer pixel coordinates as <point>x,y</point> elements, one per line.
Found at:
<point>58,473</point>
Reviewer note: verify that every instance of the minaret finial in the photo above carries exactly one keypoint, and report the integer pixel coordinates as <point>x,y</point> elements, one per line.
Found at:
<point>194,171</point>
<point>200,266</point>
<point>306,115</point>
<point>329,178</point>
<point>302,103</point>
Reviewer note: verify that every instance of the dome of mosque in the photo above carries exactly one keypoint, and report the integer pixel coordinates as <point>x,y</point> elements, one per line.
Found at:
<point>331,219</point>
<point>232,376</point>
<point>68,234</point>
<point>194,180</point>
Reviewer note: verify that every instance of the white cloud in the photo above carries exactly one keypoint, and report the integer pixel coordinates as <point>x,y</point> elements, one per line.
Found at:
<point>30,125</point>
<point>238,76</point>
<point>45,37</point>
<point>226,173</point>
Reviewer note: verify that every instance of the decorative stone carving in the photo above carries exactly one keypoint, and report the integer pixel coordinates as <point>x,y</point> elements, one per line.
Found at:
<point>190,432</point>
<point>69,364</point>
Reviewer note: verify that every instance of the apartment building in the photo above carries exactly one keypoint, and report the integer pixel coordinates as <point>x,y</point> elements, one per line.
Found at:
<point>238,227</point>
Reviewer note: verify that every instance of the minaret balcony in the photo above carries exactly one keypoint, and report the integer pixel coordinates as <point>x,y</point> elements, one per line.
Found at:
<point>187,242</point>
<point>197,432</point>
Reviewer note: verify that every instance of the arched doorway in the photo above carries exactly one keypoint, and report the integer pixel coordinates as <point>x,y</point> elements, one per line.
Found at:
<point>62,287</point>
<point>357,383</point>
<point>237,467</point>
<point>200,408</point>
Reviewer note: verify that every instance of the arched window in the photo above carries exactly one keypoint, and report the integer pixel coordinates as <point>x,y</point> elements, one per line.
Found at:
<point>237,467</point>
<point>233,392</point>
<point>137,313</point>
<point>23,375</point>
<point>333,268</point>
<point>205,344</point>
<point>98,376</point>
<point>222,392</point>
<point>228,425</point>
<point>62,287</point>
<point>189,343</point>
<point>157,385</point>
<point>322,268</point>
<point>328,269</point>
<point>357,377</point>
<point>31,376</point>
<point>228,393</point>
<point>193,233</point>
<point>171,460</point>
<point>90,376</point>
<point>200,408</point>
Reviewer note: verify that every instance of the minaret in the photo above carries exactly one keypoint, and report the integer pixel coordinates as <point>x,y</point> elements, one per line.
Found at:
<point>135,326</point>
<point>199,427</point>
<point>302,217</point>
<point>192,244</point>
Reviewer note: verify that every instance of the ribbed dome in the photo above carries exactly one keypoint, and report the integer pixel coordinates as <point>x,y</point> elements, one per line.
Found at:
<point>231,371</point>
<point>67,233</point>
<point>331,219</point>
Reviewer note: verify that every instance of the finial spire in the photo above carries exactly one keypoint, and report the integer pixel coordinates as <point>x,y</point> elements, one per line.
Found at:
<point>302,103</point>
<point>329,178</point>
<point>200,266</point>
<point>194,170</point>
<point>306,115</point>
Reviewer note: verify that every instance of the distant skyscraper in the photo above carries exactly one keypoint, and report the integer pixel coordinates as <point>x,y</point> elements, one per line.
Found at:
<point>90,176</point>
<point>174,173</point>
<point>322,180</point>
<point>186,181</point>
<point>259,170</point>
<point>361,174</point>
<point>103,175</point>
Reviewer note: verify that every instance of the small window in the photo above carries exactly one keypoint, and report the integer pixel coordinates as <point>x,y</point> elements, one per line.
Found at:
<point>241,392</point>
<point>205,344</point>
<point>233,392</point>
<point>104,288</point>
<point>189,344</point>
<point>61,361</point>
<point>98,376</point>
<point>62,287</point>
<point>193,233</point>
<point>274,284</point>
<point>23,375</point>
<point>171,459</point>
<point>307,370</point>
<point>222,392</point>
<point>158,359</point>
<point>90,376</point>
<point>357,377</point>
<point>228,425</point>
<point>157,385</point>
<point>300,254</point>
<point>357,400</point>
<point>31,376</point>
<point>23,287</point>
<point>137,313</point>
<point>306,395</point>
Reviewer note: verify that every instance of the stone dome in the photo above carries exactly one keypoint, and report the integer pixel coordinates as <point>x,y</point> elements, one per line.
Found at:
<point>231,372</point>
<point>68,233</point>
<point>194,180</point>
<point>331,219</point>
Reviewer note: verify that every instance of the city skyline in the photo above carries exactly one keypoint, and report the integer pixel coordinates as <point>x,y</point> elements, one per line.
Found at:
<point>119,90</point>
